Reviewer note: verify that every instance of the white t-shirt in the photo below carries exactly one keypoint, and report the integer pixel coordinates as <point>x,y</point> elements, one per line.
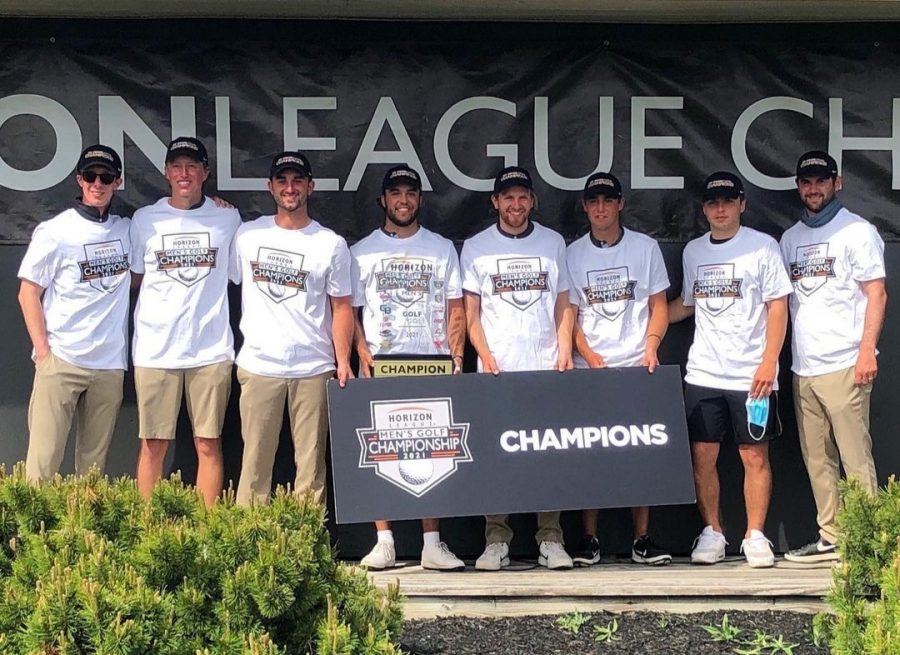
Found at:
<point>181,319</point>
<point>83,265</point>
<point>826,265</point>
<point>518,280</point>
<point>730,283</point>
<point>403,286</point>
<point>288,276</point>
<point>611,288</point>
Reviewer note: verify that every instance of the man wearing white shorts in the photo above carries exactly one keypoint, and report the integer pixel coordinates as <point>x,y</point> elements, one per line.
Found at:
<point>736,287</point>
<point>74,299</point>
<point>181,249</point>
<point>407,286</point>
<point>297,323</point>
<point>836,263</point>
<point>516,293</point>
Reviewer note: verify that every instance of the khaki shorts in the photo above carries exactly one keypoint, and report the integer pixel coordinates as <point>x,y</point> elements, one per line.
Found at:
<point>159,390</point>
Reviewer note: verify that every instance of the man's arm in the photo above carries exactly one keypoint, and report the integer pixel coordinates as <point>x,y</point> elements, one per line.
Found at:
<point>776,327</point>
<point>562,314</point>
<point>366,361</point>
<point>678,311</point>
<point>33,313</point>
<point>593,359</point>
<point>866,362</point>
<point>456,332</point>
<point>472,303</point>
<point>656,329</point>
<point>342,335</point>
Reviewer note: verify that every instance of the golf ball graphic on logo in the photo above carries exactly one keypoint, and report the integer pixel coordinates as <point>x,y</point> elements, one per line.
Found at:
<point>520,281</point>
<point>413,444</point>
<point>186,258</point>
<point>716,288</point>
<point>407,279</point>
<point>609,291</point>
<point>104,266</point>
<point>811,268</point>
<point>279,274</point>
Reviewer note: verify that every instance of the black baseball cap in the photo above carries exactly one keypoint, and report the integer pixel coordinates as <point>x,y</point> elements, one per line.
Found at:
<point>290,160</point>
<point>816,163</point>
<point>602,184</point>
<point>100,155</point>
<point>402,174</point>
<point>722,185</point>
<point>512,176</point>
<point>187,146</point>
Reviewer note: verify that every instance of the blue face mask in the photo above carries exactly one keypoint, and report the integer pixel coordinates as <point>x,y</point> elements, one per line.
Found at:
<point>757,415</point>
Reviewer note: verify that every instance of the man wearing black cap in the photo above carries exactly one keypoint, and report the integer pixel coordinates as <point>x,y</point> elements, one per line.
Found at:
<point>407,286</point>
<point>836,263</point>
<point>736,282</point>
<point>519,317</point>
<point>297,323</point>
<point>74,298</point>
<point>182,338</point>
<point>618,285</point>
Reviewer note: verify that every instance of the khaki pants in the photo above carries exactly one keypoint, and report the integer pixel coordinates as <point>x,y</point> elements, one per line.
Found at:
<point>497,530</point>
<point>833,421</point>
<point>262,413</point>
<point>62,390</point>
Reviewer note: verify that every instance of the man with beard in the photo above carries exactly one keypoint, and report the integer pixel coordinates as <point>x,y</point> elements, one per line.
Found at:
<point>297,322</point>
<point>74,298</point>
<point>618,285</point>
<point>519,317</point>
<point>836,264</point>
<point>406,282</point>
<point>182,337</point>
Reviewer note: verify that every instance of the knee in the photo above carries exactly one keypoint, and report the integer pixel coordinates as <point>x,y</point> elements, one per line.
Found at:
<point>755,458</point>
<point>210,449</point>
<point>154,449</point>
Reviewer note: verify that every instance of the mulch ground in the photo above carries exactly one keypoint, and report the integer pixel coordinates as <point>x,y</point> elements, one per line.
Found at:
<point>638,633</point>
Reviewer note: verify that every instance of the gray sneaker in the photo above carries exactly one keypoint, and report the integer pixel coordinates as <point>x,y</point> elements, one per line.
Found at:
<point>817,551</point>
<point>440,558</point>
<point>381,557</point>
<point>554,556</point>
<point>494,557</point>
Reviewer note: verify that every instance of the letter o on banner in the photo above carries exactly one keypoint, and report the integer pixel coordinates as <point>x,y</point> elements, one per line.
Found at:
<point>68,142</point>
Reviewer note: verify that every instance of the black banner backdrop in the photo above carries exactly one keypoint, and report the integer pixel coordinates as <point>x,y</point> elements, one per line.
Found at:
<point>661,107</point>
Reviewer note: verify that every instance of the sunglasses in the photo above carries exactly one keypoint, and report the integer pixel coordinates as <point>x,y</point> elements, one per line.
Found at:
<point>91,176</point>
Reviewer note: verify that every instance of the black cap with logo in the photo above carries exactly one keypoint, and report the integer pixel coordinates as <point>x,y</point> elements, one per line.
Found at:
<point>602,184</point>
<point>100,155</point>
<point>290,160</point>
<point>816,163</point>
<point>512,176</point>
<point>187,146</point>
<point>722,185</point>
<point>402,174</point>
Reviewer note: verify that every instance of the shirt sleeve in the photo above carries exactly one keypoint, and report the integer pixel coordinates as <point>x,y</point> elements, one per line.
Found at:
<point>40,261</point>
<point>574,295</point>
<point>470,281</point>
<point>357,281</point>
<point>775,280</point>
<point>562,283</point>
<point>138,246</point>
<point>659,278</point>
<point>339,283</point>
<point>866,254</point>
<point>454,279</point>
<point>687,285</point>
<point>235,270</point>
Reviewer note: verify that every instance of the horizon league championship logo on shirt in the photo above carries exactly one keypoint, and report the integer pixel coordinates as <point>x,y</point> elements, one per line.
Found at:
<point>609,291</point>
<point>812,268</point>
<point>279,274</point>
<point>406,279</point>
<point>104,265</point>
<point>414,444</point>
<point>520,281</point>
<point>186,258</point>
<point>716,288</point>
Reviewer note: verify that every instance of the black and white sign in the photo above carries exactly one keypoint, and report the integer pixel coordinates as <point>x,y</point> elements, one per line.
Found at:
<point>406,448</point>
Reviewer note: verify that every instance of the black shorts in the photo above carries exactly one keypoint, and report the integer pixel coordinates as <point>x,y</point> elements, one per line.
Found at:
<point>715,414</point>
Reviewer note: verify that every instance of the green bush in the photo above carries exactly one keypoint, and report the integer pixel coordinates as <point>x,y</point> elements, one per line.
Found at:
<point>865,598</point>
<point>88,567</point>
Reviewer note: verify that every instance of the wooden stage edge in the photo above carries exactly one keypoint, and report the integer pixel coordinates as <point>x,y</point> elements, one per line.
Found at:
<point>613,587</point>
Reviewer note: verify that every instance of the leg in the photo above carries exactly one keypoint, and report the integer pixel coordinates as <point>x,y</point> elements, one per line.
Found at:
<point>308,408</point>
<point>640,521</point>
<point>210,468</point>
<point>158,402</point>
<point>548,527</point>
<point>98,410</point>
<point>757,483</point>
<point>207,389</point>
<point>589,522</point>
<point>706,482</point>
<point>496,529</point>
<point>262,412</point>
<point>429,525</point>
<point>151,458</point>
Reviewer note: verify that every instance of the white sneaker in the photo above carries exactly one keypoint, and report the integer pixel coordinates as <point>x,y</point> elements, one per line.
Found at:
<point>758,550</point>
<point>554,556</point>
<point>709,547</point>
<point>440,558</point>
<point>382,556</point>
<point>494,557</point>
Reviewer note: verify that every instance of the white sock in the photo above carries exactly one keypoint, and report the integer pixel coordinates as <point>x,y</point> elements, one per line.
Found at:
<point>386,537</point>
<point>431,538</point>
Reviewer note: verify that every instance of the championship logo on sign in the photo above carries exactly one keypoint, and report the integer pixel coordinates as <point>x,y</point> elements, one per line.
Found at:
<point>279,274</point>
<point>609,291</point>
<point>716,288</point>
<point>520,281</point>
<point>811,268</point>
<point>406,279</point>
<point>104,265</point>
<point>413,444</point>
<point>186,258</point>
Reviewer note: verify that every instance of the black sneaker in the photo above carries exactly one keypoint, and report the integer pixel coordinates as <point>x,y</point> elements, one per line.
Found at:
<point>816,551</point>
<point>645,551</point>
<point>588,551</point>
